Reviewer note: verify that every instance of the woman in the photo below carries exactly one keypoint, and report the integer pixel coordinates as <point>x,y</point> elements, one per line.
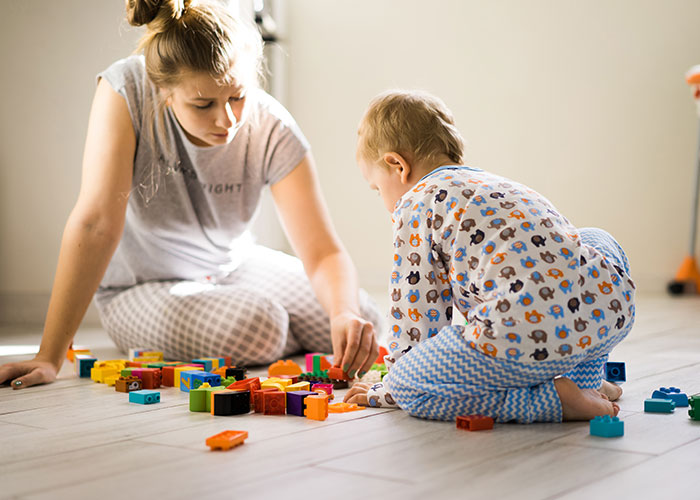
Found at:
<point>180,143</point>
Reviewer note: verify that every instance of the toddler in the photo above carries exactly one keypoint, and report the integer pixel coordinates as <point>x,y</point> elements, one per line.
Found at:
<point>544,302</point>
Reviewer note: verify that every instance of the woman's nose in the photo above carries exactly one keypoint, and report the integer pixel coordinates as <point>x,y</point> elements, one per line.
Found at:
<point>226,118</point>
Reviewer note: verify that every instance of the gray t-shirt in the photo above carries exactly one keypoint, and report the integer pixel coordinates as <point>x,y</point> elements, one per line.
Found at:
<point>186,218</point>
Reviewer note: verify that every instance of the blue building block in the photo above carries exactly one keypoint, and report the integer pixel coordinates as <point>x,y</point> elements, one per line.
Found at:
<point>607,426</point>
<point>672,393</point>
<point>186,380</point>
<point>83,365</point>
<point>615,371</point>
<point>198,378</point>
<point>208,364</point>
<point>144,397</point>
<point>653,405</point>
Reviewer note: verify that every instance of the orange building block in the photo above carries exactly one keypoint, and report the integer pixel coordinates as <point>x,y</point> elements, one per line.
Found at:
<point>274,402</point>
<point>258,399</point>
<point>382,352</point>
<point>226,440</point>
<point>474,422</point>
<point>344,407</point>
<point>248,384</point>
<point>287,367</point>
<point>316,407</point>
<point>336,373</point>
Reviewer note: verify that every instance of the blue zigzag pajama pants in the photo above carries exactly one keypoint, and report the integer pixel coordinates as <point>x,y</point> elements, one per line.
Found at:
<point>442,377</point>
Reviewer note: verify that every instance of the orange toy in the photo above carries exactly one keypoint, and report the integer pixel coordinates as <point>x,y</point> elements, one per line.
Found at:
<point>382,352</point>
<point>687,279</point>
<point>280,367</point>
<point>316,407</point>
<point>336,373</point>
<point>344,407</point>
<point>474,422</point>
<point>226,440</point>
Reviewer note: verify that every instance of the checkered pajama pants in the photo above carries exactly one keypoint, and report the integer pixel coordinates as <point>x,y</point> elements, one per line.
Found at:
<point>265,310</point>
<point>442,378</point>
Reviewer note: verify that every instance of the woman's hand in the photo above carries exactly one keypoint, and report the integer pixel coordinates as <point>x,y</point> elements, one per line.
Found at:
<point>358,394</point>
<point>27,373</point>
<point>355,345</point>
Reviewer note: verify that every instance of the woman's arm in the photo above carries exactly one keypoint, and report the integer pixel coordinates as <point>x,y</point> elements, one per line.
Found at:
<point>332,274</point>
<point>90,237</point>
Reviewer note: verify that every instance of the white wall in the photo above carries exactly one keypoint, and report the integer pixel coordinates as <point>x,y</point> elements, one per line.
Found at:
<point>584,101</point>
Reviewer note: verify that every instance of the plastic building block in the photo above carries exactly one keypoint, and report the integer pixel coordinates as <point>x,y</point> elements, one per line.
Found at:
<point>199,378</point>
<point>607,427</point>
<point>474,422</point>
<point>198,398</point>
<point>249,384</point>
<point>299,386</point>
<point>257,399</point>
<point>336,373</point>
<point>274,402</point>
<point>316,407</point>
<point>615,371</point>
<point>295,402</point>
<point>653,405</point>
<point>694,403</point>
<point>309,358</point>
<point>186,380</point>
<point>239,373</point>
<point>206,363</point>
<point>672,393</point>
<point>99,374</point>
<point>144,397</point>
<point>326,388</point>
<point>287,367</point>
<point>284,382</point>
<point>151,377</point>
<point>183,368</point>
<point>111,380</point>
<point>226,440</point>
<point>344,407</point>
<point>84,364</point>
<point>230,402</point>
<point>323,379</point>
<point>128,384</point>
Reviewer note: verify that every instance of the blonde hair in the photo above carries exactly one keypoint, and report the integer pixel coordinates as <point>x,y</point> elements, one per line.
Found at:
<point>191,36</point>
<point>415,124</point>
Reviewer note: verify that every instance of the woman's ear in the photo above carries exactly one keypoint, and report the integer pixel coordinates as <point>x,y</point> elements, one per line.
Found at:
<point>398,165</point>
<point>166,96</point>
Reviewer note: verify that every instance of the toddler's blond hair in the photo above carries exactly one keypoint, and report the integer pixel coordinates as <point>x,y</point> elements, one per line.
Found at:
<point>415,124</point>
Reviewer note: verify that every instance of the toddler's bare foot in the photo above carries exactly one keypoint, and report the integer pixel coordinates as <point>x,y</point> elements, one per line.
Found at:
<point>612,391</point>
<point>582,404</point>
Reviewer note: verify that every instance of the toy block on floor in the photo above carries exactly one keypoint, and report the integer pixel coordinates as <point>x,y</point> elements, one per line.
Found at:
<point>198,398</point>
<point>325,388</point>
<point>694,403</point>
<point>228,402</point>
<point>186,379</point>
<point>226,440</point>
<point>344,407</point>
<point>286,367</point>
<point>474,422</point>
<point>168,374</point>
<point>249,384</point>
<point>653,405</point>
<point>383,351</point>
<point>284,382</point>
<point>257,399</point>
<point>84,364</point>
<point>100,374</point>
<point>177,372</point>
<point>75,349</point>
<point>615,371</point>
<point>150,377</point>
<point>295,402</point>
<point>299,386</point>
<point>199,378</point>
<point>316,407</point>
<point>672,393</point>
<point>128,384</point>
<point>144,397</point>
<point>607,427</point>
<point>274,402</point>
<point>206,363</point>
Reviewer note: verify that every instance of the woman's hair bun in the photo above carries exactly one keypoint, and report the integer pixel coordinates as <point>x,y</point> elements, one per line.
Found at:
<point>140,12</point>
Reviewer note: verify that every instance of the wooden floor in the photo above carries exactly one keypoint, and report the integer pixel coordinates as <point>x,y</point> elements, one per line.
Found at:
<point>78,439</point>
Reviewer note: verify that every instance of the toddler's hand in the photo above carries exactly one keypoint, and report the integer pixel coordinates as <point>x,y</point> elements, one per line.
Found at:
<point>27,373</point>
<point>355,345</point>
<point>358,394</point>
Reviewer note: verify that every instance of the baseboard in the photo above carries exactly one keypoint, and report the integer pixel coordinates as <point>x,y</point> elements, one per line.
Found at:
<point>30,309</point>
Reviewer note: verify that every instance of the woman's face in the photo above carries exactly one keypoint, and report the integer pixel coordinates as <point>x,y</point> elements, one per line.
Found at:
<point>209,113</point>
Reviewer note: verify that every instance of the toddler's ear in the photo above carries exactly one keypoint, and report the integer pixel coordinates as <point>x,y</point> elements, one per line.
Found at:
<point>398,165</point>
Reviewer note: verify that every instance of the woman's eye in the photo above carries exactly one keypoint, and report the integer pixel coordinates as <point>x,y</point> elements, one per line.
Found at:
<point>205,106</point>
<point>239,98</point>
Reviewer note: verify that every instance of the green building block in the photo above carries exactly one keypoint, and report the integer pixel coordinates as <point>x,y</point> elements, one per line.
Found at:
<point>694,411</point>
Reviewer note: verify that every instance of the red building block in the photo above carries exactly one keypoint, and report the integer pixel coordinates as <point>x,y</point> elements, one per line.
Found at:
<point>336,373</point>
<point>258,399</point>
<point>274,402</point>
<point>382,352</point>
<point>474,422</point>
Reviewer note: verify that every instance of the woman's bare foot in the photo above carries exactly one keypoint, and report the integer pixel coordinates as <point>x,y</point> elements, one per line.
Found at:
<point>582,404</point>
<point>612,391</point>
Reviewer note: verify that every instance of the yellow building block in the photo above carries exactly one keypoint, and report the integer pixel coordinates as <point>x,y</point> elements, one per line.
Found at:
<point>111,380</point>
<point>272,385</point>
<point>299,386</point>
<point>100,373</point>
<point>214,361</point>
<point>284,382</point>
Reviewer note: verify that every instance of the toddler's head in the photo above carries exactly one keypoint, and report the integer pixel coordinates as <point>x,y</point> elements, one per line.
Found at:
<point>403,136</point>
